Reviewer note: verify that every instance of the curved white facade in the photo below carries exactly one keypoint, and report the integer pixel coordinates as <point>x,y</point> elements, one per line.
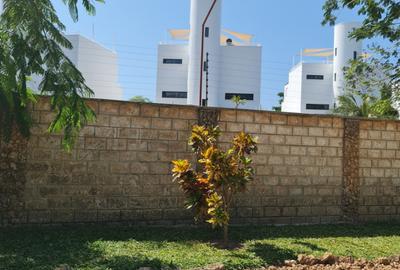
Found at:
<point>198,13</point>
<point>345,50</point>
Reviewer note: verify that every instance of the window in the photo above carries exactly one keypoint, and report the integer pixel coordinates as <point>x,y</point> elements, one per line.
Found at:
<point>172,61</point>
<point>207,32</point>
<point>335,51</point>
<point>315,77</point>
<point>229,96</point>
<point>334,77</point>
<point>317,106</point>
<point>355,55</point>
<point>174,94</point>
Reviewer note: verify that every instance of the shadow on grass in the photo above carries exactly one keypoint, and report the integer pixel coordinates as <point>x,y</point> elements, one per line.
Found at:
<point>310,246</point>
<point>272,255</point>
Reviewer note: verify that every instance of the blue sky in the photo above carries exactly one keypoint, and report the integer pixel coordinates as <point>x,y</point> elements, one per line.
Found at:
<point>134,28</point>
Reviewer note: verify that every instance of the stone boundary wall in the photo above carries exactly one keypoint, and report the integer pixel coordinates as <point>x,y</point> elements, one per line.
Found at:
<point>310,169</point>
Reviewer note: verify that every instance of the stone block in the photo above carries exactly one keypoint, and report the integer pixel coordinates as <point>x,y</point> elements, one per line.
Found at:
<point>160,168</point>
<point>140,122</point>
<point>227,115</point>
<point>293,140</point>
<point>235,127</point>
<point>310,121</point>
<point>109,107</point>
<point>137,145</point>
<point>277,139</point>
<point>189,113</point>
<point>156,146</point>
<point>85,216</point>
<point>149,110</point>
<point>295,120</point>
<point>300,131</point>
<point>147,156</point>
<point>129,109</point>
<point>120,168</point>
<point>168,135</point>
<point>109,215</point>
<point>284,130</point>
<point>272,211</point>
<point>148,134</point>
<point>178,124</point>
<point>245,116</point>
<point>96,143</point>
<point>105,132</point>
<point>120,121</point>
<point>316,131</point>
<point>169,112</point>
<point>308,141</point>
<point>325,122</point>
<point>279,119</point>
<point>117,144</point>
<point>262,117</point>
<point>252,128</point>
<point>268,129</point>
<point>159,123</point>
<point>128,133</point>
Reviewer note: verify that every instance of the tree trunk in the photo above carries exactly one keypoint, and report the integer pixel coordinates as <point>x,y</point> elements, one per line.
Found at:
<point>226,239</point>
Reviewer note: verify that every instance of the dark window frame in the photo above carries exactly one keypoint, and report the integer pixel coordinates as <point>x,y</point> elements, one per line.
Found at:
<point>355,55</point>
<point>320,107</point>
<point>244,96</point>
<point>172,61</point>
<point>336,51</point>
<point>315,77</point>
<point>174,94</point>
<point>207,32</point>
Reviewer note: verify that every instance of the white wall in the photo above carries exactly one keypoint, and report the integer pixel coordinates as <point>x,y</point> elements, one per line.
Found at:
<point>240,73</point>
<point>317,91</point>
<point>198,12</point>
<point>301,91</point>
<point>293,90</point>
<point>172,77</point>
<point>98,65</point>
<point>344,48</point>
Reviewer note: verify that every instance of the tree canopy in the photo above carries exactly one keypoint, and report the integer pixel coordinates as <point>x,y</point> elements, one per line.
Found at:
<point>140,99</point>
<point>31,44</point>
<point>381,20</point>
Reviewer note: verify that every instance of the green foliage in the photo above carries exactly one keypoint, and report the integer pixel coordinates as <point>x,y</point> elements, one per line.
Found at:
<point>368,91</point>
<point>31,44</point>
<point>140,99</point>
<point>381,20</point>
<point>222,174</point>
<point>238,101</point>
<point>281,96</point>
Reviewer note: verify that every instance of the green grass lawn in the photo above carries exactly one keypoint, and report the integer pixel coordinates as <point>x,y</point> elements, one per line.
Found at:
<point>128,248</point>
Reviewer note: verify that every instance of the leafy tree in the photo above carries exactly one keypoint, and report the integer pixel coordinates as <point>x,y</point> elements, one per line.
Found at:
<point>31,44</point>
<point>281,96</point>
<point>222,174</point>
<point>140,99</point>
<point>368,91</point>
<point>381,20</point>
<point>237,100</point>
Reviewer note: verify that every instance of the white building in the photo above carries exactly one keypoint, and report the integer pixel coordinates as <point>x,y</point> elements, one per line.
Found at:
<point>313,88</point>
<point>98,65</point>
<point>211,68</point>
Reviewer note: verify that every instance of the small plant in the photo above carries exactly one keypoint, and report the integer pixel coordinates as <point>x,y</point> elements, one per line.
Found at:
<point>221,174</point>
<point>237,100</point>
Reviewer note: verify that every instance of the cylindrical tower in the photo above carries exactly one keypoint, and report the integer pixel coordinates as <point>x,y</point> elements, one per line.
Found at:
<point>345,50</point>
<point>204,39</point>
